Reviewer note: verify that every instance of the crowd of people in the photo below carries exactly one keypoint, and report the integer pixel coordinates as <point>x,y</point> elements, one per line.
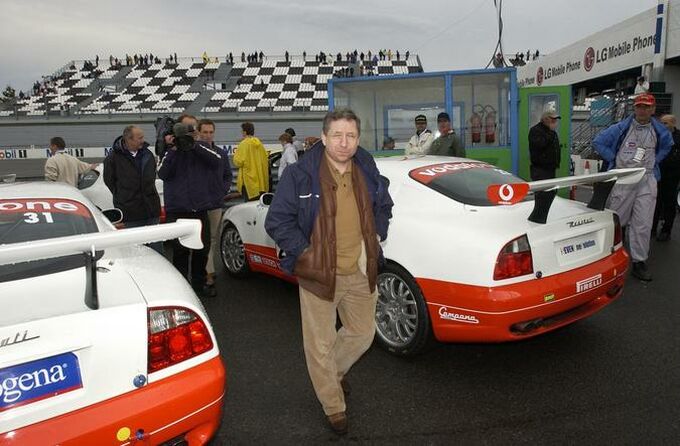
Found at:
<point>196,175</point>
<point>640,140</point>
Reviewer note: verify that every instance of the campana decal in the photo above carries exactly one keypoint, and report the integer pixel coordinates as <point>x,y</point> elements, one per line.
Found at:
<point>589,283</point>
<point>457,317</point>
<point>584,221</point>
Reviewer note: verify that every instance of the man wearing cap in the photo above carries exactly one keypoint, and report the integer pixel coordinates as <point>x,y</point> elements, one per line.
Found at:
<point>544,147</point>
<point>638,141</point>
<point>447,144</point>
<point>420,143</point>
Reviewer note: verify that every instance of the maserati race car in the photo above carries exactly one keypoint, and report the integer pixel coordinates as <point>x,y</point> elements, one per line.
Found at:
<point>102,342</point>
<point>474,254</point>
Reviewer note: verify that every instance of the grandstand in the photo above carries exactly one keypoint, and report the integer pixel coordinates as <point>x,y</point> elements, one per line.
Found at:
<point>272,85</point>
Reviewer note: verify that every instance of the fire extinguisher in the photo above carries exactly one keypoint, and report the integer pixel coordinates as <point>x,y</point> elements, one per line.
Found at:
<point>490,126</point>
<point>476,127</point>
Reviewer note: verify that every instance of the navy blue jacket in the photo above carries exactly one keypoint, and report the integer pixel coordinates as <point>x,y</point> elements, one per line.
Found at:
<point>608,142</point>
<point>132,182</point>
<point>291,216</point>
<point>187,178</point>
<point>221,181</point>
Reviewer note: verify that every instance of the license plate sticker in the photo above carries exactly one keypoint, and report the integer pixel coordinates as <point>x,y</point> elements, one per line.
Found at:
<point>578,247</point>
<point>38,380</point>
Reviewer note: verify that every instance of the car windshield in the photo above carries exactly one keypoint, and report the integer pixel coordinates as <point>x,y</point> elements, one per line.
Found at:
<point>25,220</point>
<point>465,182</point>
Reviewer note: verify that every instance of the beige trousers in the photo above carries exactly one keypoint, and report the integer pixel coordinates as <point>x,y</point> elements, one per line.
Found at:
<point>330,353</point>
<point>215,218</point>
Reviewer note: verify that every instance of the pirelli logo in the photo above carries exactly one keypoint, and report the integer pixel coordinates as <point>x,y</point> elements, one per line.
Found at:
<point>589,283</point>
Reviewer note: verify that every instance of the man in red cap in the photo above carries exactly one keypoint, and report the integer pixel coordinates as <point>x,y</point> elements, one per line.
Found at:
<point>637,141</point>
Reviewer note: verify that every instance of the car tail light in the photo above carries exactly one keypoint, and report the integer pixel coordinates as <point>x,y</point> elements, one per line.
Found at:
<point>618,233</point>
<point>175,335</point>
<point>514,259</point>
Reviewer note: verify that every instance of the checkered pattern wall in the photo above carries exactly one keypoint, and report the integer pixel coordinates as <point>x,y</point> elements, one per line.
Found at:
<point>291,86</point>
<point>270,85</point>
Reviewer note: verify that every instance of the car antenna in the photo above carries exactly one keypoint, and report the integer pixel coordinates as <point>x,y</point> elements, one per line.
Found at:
<point>91,294</point>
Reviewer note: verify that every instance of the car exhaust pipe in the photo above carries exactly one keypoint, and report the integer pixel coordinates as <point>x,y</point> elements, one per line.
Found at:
<point>527,326</point>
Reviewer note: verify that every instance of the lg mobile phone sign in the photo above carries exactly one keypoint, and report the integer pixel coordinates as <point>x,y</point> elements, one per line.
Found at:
<point>629,44</point>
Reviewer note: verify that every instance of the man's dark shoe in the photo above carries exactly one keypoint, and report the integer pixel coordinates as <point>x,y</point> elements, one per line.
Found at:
<point>641,272</point>
<point>663,236</point>
<point>209,290</point>
<point>338,422</point>
<point>346,388</point>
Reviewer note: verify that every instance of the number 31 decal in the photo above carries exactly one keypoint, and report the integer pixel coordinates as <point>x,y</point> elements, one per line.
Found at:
<point>33,217</point>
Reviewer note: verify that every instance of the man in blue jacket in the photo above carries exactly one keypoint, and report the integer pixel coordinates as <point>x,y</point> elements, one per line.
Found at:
<point>330,211</point>
<point>187,171</point>
<point>638,141</point>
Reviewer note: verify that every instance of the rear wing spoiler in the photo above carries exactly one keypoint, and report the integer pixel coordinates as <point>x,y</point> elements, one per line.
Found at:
<point>545,190</point>
<point>187,231</point>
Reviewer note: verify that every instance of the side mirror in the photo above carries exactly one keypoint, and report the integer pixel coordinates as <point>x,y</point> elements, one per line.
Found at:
<point>114,215</point>
<point>266,199</point>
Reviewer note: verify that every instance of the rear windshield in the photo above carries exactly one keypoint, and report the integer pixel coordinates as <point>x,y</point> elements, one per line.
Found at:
<point>465,182</point>
<point>26,220</point>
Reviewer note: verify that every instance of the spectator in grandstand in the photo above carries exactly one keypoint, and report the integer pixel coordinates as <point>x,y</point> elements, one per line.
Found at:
<point>638,141</point>
<point>447,144</point>
<point>188,171</point>
<point>668,185</point>
<point>289,155</point>
<point>61,166</point>
<point>304,56</point>
<point>330,212</point>
<point>221,183</point>
<point>544,147</point>
<point>388,143</point>
<point>642,85</point>
<point>130,175</point>
<point>252,161</point>
<point>408,53</point>
<point>420,143</point>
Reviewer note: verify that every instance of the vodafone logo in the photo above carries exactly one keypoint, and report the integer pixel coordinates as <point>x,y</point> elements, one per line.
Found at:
<point>539,76</point>
<point>507,193</point>
<point>589,59</point>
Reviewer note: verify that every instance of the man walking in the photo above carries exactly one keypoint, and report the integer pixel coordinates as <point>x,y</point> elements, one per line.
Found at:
<point>544,147</point>
<point>447,144</point>
<point>221,183</point>
<point>61,166</point>
<point>253,164</point>
<point>420,143</point>
<point>327,216</point>
<point>638,141</point>
<point>668,185</point>
<point>130,175</point>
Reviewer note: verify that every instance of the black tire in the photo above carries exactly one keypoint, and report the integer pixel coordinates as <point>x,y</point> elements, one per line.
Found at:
<point>232,252</point>
<point>403,325</point>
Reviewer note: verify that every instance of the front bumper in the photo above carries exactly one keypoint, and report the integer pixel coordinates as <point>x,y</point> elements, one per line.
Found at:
<point>187,404</point>
<point>466,313</point>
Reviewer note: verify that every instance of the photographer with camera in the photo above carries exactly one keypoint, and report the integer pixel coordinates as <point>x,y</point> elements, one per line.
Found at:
<point>187,170</point>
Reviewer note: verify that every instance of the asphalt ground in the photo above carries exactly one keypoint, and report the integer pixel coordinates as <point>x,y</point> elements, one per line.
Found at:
<point>613,378</point>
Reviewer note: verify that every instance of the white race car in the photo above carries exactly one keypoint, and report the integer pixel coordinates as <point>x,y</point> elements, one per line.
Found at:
<point>474,254</point>
<point>102,341</point>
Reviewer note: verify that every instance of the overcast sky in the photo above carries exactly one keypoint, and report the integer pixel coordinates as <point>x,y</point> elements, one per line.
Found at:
<point>38,36</point>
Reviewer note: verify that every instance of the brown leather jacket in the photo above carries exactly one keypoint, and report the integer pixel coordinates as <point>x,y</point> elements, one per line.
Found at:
<point>316,266</point>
